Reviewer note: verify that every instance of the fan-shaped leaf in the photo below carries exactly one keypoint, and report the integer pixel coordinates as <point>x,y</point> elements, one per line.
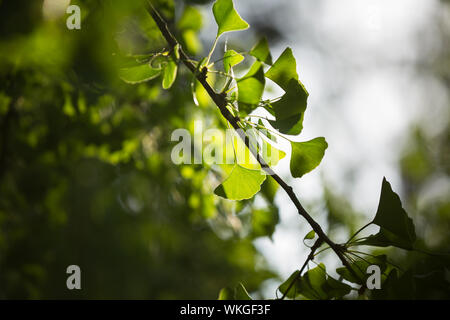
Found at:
<point>227,18</point>
<point>307,155</point>
<point>261,51</point>
<point>242,183</point>
<point>251,88</point>
<point>283,70</point>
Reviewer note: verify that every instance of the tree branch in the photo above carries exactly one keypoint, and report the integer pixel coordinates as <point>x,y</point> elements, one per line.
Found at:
<point>221,103</point>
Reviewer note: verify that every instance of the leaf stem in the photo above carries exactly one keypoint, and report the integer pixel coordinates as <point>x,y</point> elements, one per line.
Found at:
<point>356,233</point>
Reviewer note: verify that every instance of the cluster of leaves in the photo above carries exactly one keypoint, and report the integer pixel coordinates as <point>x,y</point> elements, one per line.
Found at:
<point>85,175</point>
<point>244,95</point>
<point>285,118</point>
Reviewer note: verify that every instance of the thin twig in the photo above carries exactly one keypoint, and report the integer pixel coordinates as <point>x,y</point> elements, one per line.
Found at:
<point>310,257</point>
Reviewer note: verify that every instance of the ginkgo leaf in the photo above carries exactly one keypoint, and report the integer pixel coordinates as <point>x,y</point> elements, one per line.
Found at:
<point>242,183</point>
<point>169,74</point>
<point>140,73</point>
<point>237,151</point>
<point>251,88</point>
<point>289,110</point>
<point>396,228</point>
<point>307,155</point>
<point>230,59</point>
<point>227,18</point>
<point>261,51</point>
<point>314,284</point>
<point>292,293</point>
<point>359,266</point>
<point>283,70</point>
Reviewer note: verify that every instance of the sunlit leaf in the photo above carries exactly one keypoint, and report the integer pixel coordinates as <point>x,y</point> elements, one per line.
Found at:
<point>227,18</point>
<point>251,88</point>
<point>290,109</point>
<point>169,74</point>
<point>230,59</point>
<point>307,155</point>
<point>261,51</point>
<point>242,183</point>
<point>283,70</point>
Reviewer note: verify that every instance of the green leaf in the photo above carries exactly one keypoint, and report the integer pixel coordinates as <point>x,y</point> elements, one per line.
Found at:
<point>290,109</point>
<point>251,88</point>
<point>230,59</point>
<point>283,70</point>
<point>169,74</point>
<point>312,282</point>
<point>360,267</point>
<point>227,18</point>
<point>307,155</point>
<point>285,285</point>
<point>396,228</point>
<point>270,154</point>
<point>264,222</point>
<point>261,51</point>
<point>310,235</point>
<point>242,183</point>
<point>315,284</point>
<point>137,74</point>
<point>336,289</point>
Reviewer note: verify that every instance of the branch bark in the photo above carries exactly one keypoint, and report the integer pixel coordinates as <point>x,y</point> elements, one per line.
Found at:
<point>221,103</point>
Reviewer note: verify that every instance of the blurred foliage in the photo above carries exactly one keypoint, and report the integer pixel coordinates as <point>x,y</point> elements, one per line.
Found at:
<point>85,170</point>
